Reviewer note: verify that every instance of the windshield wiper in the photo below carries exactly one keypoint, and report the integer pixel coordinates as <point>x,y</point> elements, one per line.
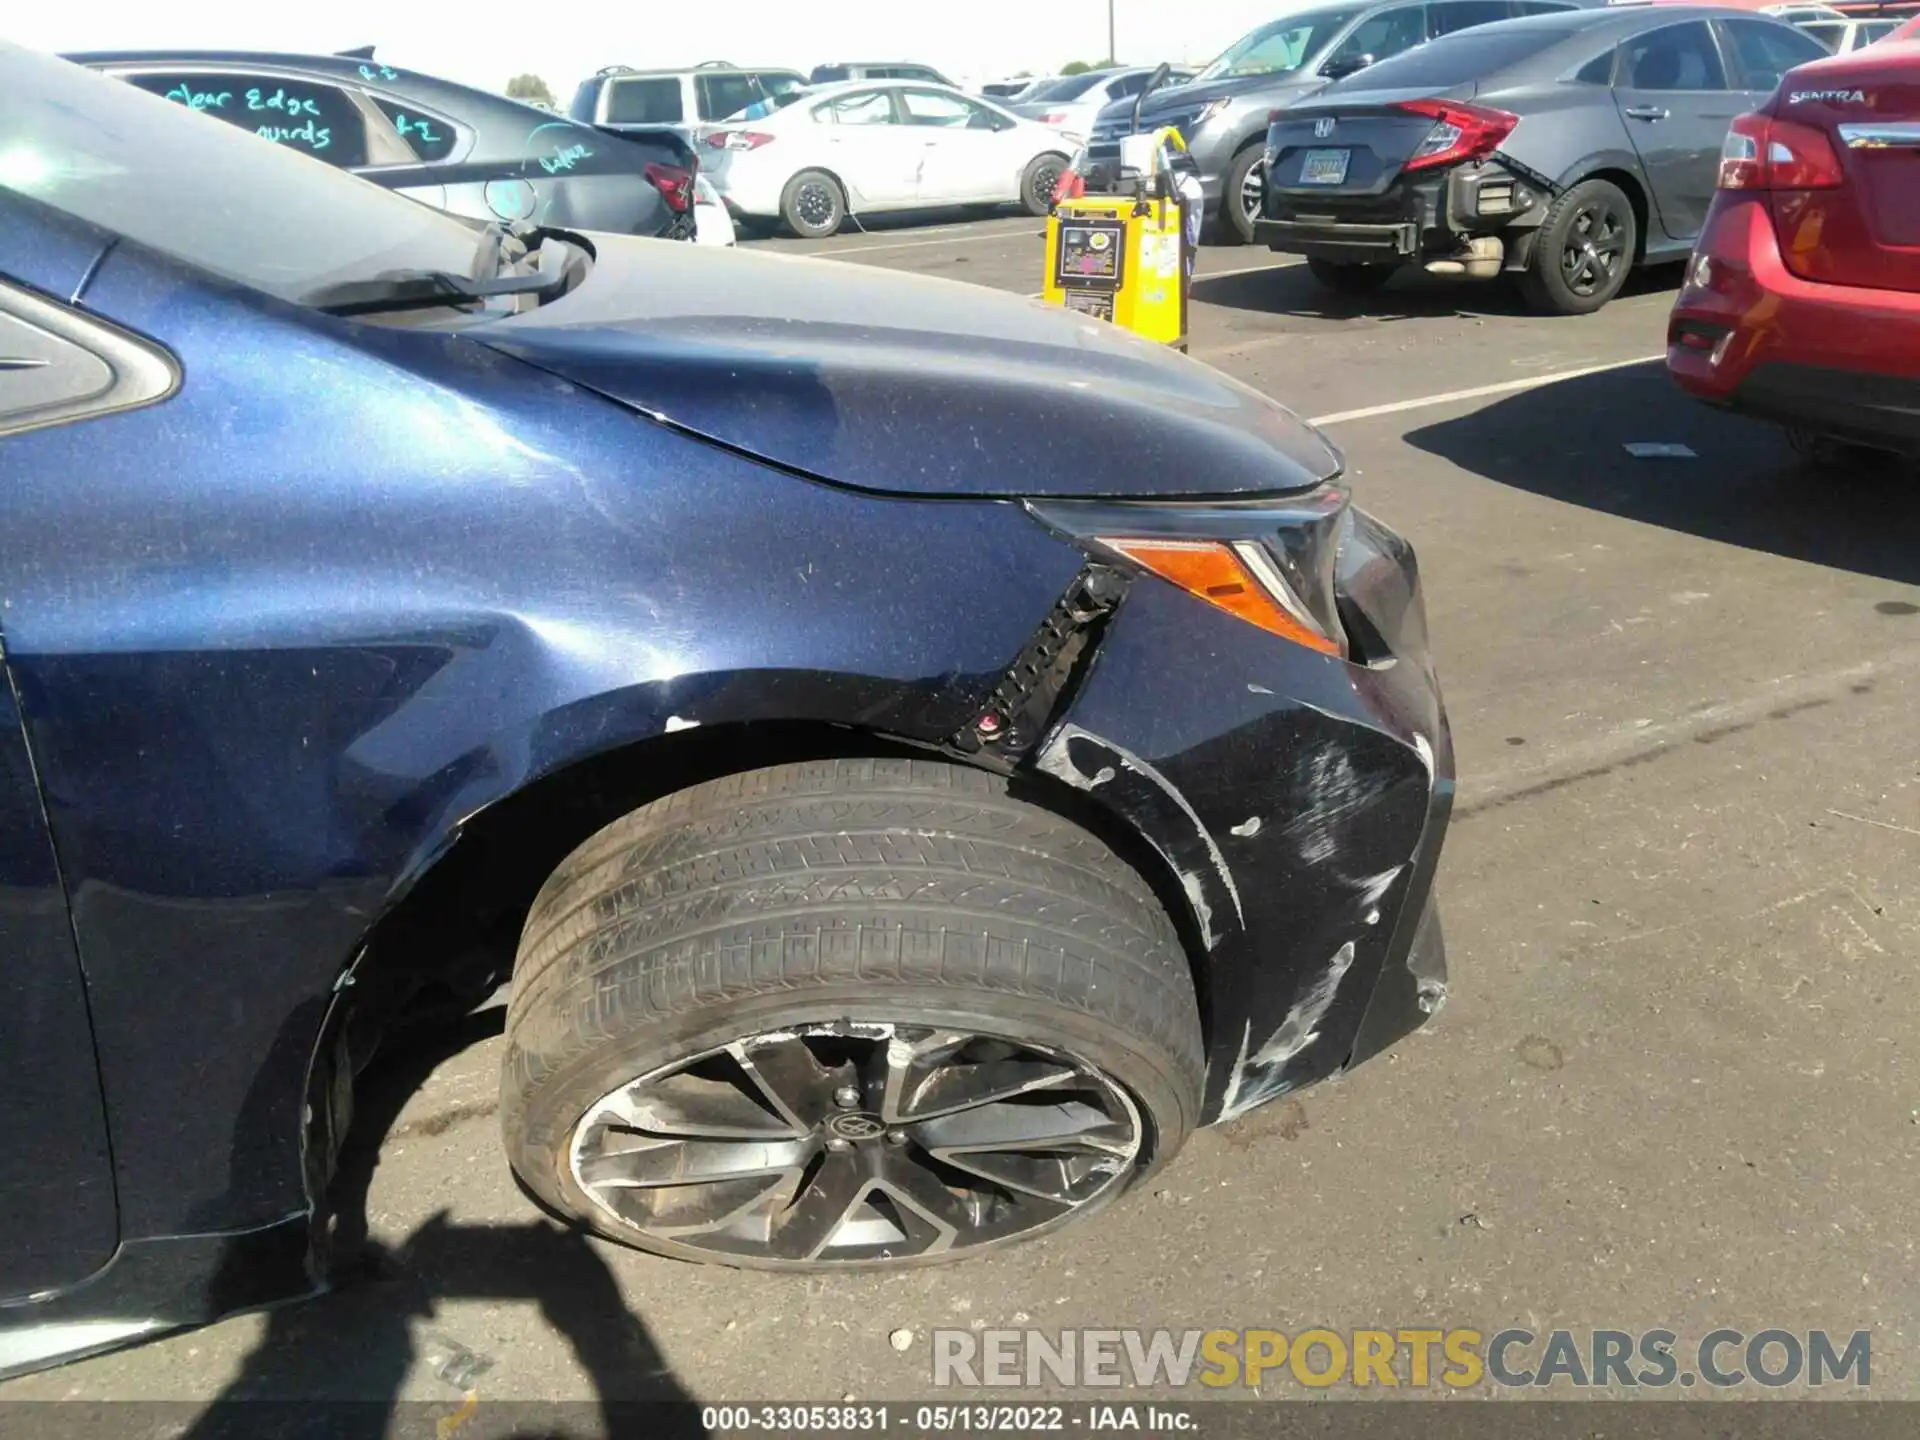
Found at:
<point>430,289</point>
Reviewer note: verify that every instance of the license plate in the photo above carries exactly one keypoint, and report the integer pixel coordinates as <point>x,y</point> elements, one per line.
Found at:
<point>1324,167</point>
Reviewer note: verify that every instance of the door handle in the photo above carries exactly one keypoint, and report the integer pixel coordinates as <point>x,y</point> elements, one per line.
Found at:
<point>1646,112</point>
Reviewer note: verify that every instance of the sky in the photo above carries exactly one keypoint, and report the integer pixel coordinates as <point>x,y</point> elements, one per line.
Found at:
<point>970,40</point>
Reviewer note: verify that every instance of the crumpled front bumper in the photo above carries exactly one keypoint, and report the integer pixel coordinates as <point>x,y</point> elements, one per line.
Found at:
<point>1298,802</point>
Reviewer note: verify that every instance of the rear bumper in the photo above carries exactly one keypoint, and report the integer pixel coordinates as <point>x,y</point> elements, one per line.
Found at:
<point>1433,215</point>
<point>1299,803</point>
<point>1748,334</point>
<point>1331,240</point>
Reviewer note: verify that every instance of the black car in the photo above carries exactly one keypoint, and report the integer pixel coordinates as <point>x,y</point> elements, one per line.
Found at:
<point>449,146</point>
<point>897,836</point>
<point>1563,149</point>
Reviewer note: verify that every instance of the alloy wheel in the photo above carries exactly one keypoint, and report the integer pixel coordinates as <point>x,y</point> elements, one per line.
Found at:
<point>1594,249</point>
<point>1046,181</point>
<point>816,205</point>
<point>1253,192</point>
<point>856,1142</point>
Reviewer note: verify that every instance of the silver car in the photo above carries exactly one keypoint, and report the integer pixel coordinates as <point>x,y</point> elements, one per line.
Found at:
<point>1070,102</point>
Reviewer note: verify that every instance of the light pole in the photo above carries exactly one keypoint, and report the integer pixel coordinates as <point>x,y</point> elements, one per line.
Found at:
<point>1111,56</point>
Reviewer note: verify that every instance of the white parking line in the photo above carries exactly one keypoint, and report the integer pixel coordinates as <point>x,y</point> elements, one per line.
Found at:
<point>1248,269</point>
<point>1531,382</point>
<point>1008,234</point>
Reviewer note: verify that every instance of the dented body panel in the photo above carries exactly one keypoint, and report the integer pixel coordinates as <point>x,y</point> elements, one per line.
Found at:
<point>1299,800</point>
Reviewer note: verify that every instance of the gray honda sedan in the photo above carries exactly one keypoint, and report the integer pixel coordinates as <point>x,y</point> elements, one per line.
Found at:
<point>1562,149</point>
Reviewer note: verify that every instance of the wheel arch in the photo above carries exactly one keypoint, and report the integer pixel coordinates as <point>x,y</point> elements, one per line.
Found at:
<point>847,192</point>
<point>449,937</point>
<point>1624,173</point>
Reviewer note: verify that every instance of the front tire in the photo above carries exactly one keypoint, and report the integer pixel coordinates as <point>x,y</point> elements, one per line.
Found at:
<point>1585,249</point>
<point>1243,194</point>
<point>1349,277</point>
<point>813,206</point>
<point>1041,179</point>
<point>845,1013</point>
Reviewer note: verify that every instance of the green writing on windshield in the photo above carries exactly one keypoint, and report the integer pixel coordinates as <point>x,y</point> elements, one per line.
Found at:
<point>309,135</point>
<point>281,100</point>
<point>407,125</point>
<point>378,72</point>
<point>200,99</point>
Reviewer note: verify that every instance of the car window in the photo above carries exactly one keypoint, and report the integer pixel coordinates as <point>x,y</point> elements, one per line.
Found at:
<point>868,107</point>
<point>945,112</point>
<point>1872,30</point>
<point>725,94</point>
<point>1597,71</point>
<point>1387,33</point>
<point>645,100</point>
<point>1767,51</point>
<point>1674,57</point>
<point>320,120</point>
<point>208,195</point>
<point>1128,86</point>
<point>779,82</point>
<point>1829,34</point>
<point>1455,59</point>
<point>1281,46</point>
<point>1537,7</point>
<point>1065,87</point>
<point>1446,19</point>
<point>429,136</point>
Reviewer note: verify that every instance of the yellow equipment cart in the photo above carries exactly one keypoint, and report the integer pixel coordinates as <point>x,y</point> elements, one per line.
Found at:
<point>1125,253</point>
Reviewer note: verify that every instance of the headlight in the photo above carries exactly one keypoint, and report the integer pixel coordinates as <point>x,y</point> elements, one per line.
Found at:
<point>1268,562</point>
<point>1209,110</point>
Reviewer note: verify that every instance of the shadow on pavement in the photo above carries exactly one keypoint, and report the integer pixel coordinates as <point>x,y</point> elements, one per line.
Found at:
<point>1565,441</point>
<point>1410,295</point>
<point>337,1365</point>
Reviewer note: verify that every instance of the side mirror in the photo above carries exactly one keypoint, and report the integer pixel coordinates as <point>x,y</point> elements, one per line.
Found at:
<point>1345,65</point>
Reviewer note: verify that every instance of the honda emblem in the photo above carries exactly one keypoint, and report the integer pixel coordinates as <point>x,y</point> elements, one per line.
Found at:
<point>1323,128</point>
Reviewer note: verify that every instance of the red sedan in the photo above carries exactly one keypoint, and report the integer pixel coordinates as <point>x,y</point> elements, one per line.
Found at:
<point>1802,300</point>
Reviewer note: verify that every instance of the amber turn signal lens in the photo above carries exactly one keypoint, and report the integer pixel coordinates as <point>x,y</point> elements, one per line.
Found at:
<point>1211,571</point>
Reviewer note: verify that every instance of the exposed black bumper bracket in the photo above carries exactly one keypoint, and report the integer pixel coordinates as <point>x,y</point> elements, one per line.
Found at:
<point>1035,687</point>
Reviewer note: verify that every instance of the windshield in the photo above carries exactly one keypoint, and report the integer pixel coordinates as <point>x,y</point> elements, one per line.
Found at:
<point>1068,87</point>
<point>200,190</point>
<point>1455,59</point>
<point>1284,45</point>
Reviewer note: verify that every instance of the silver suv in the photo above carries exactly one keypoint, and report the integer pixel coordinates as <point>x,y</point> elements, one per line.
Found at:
<point>681,100</point>
<point>1222,113</point>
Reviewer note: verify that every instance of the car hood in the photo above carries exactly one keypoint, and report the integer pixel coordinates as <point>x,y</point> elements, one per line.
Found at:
<point>891,382</point>
<point>1180,99</point>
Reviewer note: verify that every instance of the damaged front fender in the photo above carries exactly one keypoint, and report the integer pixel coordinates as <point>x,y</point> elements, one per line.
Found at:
<point>1299,801</point>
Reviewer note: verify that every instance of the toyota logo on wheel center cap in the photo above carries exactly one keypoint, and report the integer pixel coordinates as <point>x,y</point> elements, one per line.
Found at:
<point>858,1126</point>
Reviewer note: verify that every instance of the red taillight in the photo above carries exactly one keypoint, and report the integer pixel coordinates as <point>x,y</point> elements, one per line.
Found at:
<point>738,139</point>
<point>674,184</point>
<point>1763,153</point>
<point>1460,132</point>
<point>1054,117</point>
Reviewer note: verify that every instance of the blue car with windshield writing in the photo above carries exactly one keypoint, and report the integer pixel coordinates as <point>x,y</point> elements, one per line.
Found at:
<point>896,834</point>
<point>446,145</point>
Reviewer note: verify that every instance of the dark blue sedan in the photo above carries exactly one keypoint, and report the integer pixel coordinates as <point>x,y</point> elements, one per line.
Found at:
<point>915,754</point>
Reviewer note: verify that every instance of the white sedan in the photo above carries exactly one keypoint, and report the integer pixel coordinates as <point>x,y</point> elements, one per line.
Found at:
<point>864,146</point>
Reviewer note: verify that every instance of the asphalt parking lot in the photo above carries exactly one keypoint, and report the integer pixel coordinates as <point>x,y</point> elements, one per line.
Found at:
<point>1673,1086</point>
